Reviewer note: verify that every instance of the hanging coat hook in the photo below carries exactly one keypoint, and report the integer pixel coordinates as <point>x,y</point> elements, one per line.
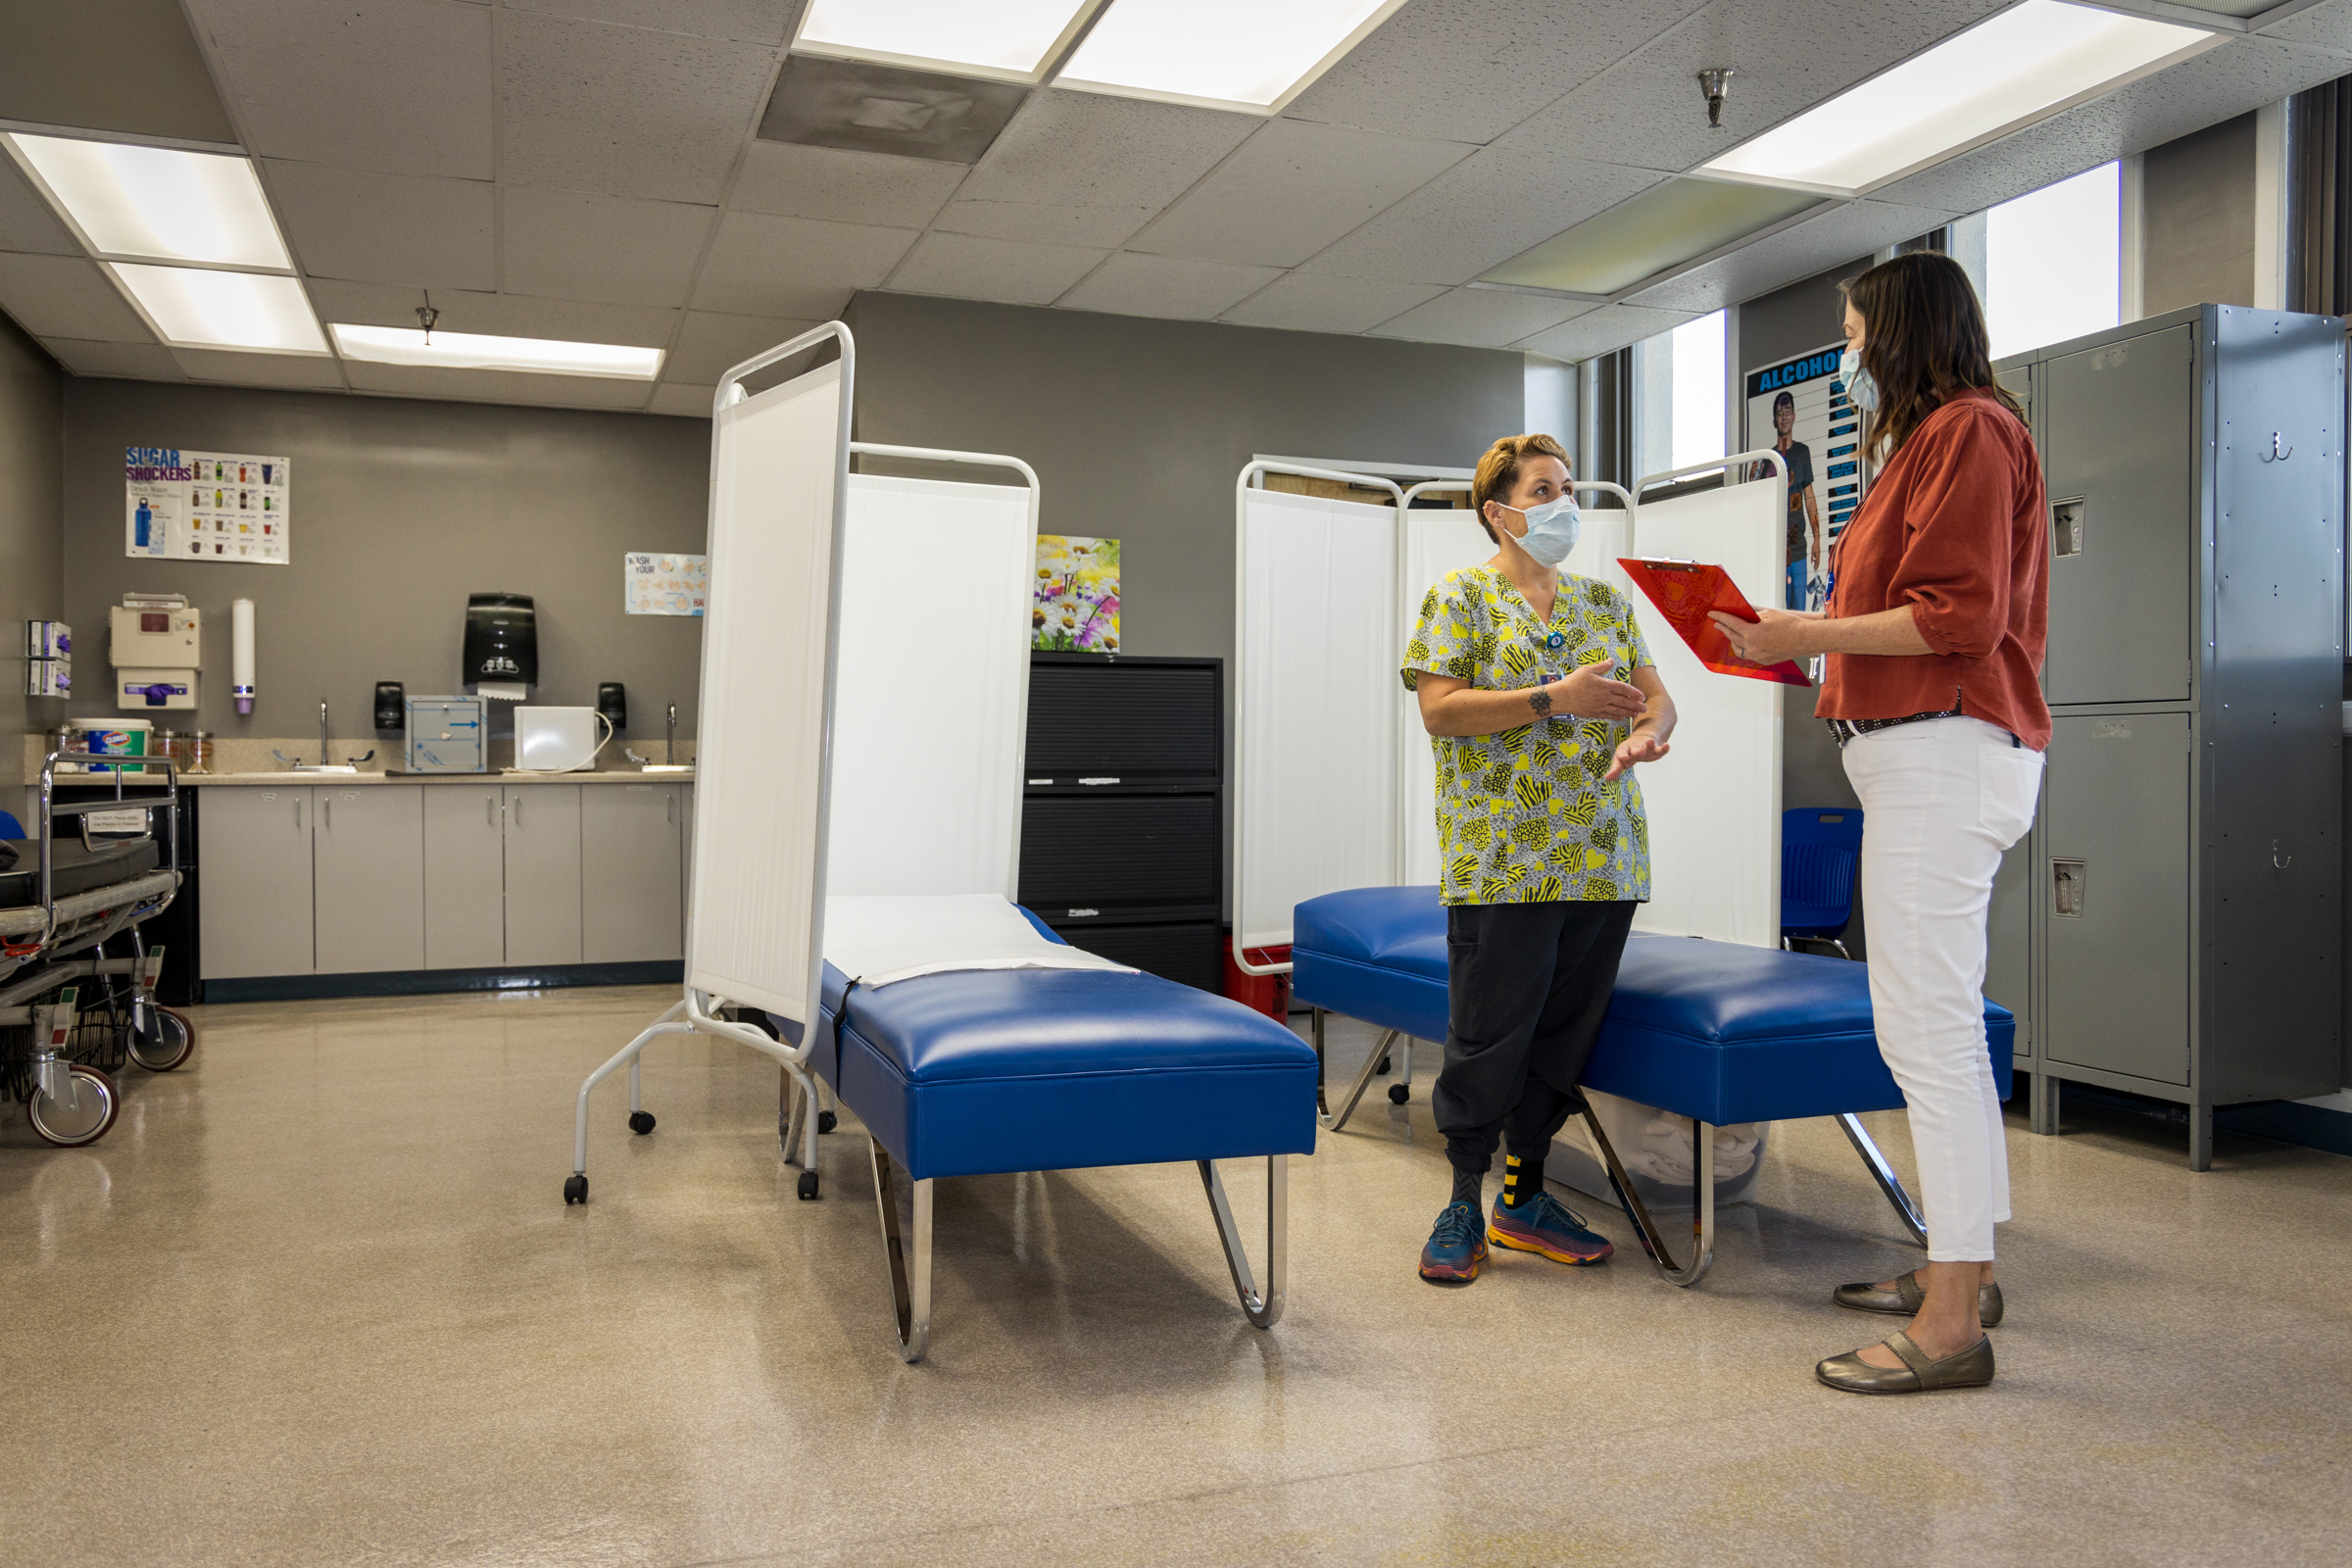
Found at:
<point>2277,862</point>
<point>2277,454</point>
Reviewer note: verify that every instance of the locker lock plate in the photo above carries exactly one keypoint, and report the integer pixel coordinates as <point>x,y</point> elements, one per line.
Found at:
<point>2067,523</point>
<point>2067,883</point>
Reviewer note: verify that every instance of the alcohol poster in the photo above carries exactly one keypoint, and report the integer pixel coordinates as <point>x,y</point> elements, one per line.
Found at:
<point>1799,408</point>
<point>206,505</point>
<point>655,584</point>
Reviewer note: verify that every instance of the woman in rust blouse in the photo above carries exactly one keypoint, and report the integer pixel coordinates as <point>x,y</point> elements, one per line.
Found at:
<point>1934,633</point>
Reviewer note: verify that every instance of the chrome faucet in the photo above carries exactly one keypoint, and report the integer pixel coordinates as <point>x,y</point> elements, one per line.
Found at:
<point>670,744</point>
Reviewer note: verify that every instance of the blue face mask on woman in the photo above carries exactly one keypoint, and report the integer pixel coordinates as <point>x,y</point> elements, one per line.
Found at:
<point>1551,529</point>
<point>1858,383</point>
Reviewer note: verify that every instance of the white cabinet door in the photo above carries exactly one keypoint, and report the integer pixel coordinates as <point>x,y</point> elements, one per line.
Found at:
<point>254,881</point>
<point>464,877</point>
<point>368,852</point>
<point>685,864</point>
<point>630,877</point>
<point>543,873</point>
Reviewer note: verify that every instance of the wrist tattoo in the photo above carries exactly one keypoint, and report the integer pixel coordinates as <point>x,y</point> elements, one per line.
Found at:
<point>1541,700</point>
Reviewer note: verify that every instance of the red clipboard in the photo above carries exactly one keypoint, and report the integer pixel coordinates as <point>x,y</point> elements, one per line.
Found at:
<point>1684,590</point>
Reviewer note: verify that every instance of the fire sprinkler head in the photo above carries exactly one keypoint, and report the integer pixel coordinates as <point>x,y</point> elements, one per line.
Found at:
<point>1715,82</point>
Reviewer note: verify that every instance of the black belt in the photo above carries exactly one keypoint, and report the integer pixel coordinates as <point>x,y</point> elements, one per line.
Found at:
<point>1848,729</point>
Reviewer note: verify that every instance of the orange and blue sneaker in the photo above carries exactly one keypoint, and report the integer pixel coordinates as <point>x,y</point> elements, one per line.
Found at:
<point>1457,1247</point>
<point>1543,1224</point>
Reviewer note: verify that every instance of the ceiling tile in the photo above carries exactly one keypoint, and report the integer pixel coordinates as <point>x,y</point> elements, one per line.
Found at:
<point>140,362</point>
<point>498,386</point>
<point>373,227</point>
<point>1470,70</point>
<point>1478,317</point>
<point>496,315</point>
<point>800,267</point>
<point>624,111</point>
<point>770,21</point>
<point>131,66</point>
<point>259,370</point>
<point>710,345</point>
<point>1322,302</point>
<point>1848,234</point>
<point>2328,26</point>
<point>1293,188</point>
<point>1612,327</point>
<point>847,187</point>
<point>1648,111</point>
<point>1166,285</point>
<point>1086,169</point>
<point>683,401</point>
<point>615,249</point>
<point>967,266</point>
<point>27,223</point>
<point>1482,211</point>
<point>399,85</point>
<point>68,296</point>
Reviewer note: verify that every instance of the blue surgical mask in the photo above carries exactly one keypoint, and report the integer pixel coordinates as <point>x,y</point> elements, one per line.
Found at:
<point>1552,530</point>
<point>1858,385</point>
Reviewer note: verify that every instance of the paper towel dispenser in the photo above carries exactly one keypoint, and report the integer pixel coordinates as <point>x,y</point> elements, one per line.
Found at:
<point>502,639</point>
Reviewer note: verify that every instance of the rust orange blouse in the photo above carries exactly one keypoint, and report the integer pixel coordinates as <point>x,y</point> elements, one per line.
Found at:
<point>1955,526</point>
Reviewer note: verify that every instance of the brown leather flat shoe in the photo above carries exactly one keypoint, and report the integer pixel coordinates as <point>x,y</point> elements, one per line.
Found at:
<point>1908,1293</point>
<point>1972,1368</point>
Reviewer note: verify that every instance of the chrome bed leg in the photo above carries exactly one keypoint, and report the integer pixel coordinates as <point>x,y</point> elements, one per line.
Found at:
<point>1653,1241</point>
<point>1332,1123</point>
<point>909,1286</point>
<point>1884,1174</point>
<point>1263,1311</point>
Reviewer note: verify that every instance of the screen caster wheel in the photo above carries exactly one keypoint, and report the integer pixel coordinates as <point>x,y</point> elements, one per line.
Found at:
<point>826,1121</point>
<point>576,1190</point>
<point>808,1187</point>
<point>1399,1093</point>
<point>641,1122</point>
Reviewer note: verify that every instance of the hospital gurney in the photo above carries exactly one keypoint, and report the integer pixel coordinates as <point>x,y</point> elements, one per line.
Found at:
<point>1715,1031</point>
<point>61,1038</point>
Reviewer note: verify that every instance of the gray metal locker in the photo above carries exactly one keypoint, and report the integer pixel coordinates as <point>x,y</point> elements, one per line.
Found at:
<point>2185,908</point>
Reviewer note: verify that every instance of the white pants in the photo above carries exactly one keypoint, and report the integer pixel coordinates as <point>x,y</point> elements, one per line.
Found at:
<point>1941,800</point>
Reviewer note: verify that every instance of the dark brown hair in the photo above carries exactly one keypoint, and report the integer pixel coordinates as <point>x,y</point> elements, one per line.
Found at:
<point>1923,342</point>
<point>1499,470</point>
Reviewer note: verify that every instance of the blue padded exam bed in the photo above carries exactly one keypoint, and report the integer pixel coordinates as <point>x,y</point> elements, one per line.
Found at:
<point>1714,1031</point>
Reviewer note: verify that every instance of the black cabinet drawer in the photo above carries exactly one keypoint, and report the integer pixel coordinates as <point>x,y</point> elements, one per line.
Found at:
<point>1189,953</point>
<point>1134,722</point>
<point>1121,856</point>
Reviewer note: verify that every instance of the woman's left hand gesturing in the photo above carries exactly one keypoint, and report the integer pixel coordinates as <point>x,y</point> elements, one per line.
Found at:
<point>1633,750</point>
<point>1769,640</point>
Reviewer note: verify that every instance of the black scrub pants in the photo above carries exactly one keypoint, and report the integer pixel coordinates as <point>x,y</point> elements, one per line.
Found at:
<point>1527,986</point>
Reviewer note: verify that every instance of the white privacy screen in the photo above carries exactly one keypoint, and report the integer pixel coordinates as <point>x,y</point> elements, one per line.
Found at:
<point>930,684</point>
<point>759,762</point>
<point>1714,804</point>
<point>1436,542</point>
<point>1319,656</point>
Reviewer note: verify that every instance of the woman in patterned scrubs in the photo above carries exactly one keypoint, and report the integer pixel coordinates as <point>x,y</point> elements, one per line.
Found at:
<point>1539,697</point>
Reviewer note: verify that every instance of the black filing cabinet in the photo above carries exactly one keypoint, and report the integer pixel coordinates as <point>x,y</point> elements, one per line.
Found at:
<point>1123,824</point>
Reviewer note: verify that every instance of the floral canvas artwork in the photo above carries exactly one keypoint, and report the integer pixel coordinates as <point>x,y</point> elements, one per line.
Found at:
<point>1077,594</point>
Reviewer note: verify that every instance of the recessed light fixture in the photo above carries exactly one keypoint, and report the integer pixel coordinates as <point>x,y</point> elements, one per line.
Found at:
<point>2025,63</point>
<point>157,203</point>
<point>1008,39</point>
<point>197,307</point>
<point>471,351</point>
<point>1221,54</point>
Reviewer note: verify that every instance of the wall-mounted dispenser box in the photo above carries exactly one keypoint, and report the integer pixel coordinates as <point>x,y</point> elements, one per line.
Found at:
<point>149,638</point>
<point>49,678</point>
<point>446,735</point>
<point>48,639</point>
<point>502,640</point>
<point>141,689</point>
<point>390,700</point>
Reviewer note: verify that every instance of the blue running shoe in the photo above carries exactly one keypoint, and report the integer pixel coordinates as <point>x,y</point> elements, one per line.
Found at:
<point>1457,1247</point>
<point>1543,1224</point>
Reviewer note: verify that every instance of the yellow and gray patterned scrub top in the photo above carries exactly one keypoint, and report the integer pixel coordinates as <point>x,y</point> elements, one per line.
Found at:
<point>1522,817</point>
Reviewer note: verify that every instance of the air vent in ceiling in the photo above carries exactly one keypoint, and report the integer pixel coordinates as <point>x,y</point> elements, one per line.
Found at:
<point>885,109</point>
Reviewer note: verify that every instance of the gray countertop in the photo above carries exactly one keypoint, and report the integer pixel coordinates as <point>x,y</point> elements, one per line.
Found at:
<point>348,780</point>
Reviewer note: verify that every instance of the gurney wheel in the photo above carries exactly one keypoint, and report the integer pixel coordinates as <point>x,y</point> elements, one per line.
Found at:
<point>169,1043</point>
<point>807,1184</point>
<point>826,1121</point>
<point>95,1105</point>
<point>576,1190</point>
<point>1399,1093</point>
<point>641,1122</point>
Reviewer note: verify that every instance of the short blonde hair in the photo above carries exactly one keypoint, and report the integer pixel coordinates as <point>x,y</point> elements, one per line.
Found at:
<point>1499,470</point>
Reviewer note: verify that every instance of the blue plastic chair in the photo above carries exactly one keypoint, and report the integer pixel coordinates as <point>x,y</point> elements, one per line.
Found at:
<point>1821,863</point>
<point>9,828</point>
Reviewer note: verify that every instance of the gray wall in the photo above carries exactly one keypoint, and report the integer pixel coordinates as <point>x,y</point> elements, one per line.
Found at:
<point>2197,219</point>
<point>31,577</point>
<point>400,509</point>
<point>1137,426</point>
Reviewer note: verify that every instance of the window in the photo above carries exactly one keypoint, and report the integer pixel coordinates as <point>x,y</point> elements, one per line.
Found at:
<point>1683,390</point>
<point>2053,263</point>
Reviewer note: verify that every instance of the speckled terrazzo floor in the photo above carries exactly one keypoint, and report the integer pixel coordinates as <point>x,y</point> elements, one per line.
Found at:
<point>317,1300</point>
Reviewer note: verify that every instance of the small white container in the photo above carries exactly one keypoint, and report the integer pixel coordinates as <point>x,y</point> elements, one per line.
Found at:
<point>557,740</point>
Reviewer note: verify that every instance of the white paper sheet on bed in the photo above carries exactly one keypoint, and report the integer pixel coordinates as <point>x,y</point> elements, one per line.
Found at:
<point>759,760</point>
<point>1319,646</point>
<point>1436,542</point>
<point>1714,804</point>
<point>931,684</point>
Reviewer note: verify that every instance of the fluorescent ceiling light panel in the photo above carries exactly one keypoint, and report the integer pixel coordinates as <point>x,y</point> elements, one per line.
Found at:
<point>197,308</point>
<point>159,203</point>
<point>1223,54</point>
<point>468,351</point>
<point>1006,38</point>
<point>1666,226</point>
<point>2023,65</point>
